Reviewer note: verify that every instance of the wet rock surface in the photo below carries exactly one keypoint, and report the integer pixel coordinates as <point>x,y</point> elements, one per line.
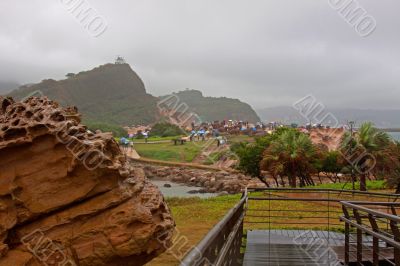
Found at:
<point>69,197</point>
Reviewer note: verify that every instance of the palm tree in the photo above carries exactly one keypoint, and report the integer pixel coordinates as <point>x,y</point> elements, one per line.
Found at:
<point>361,149</point>
<point>290,155</point>
<point>388,165</point>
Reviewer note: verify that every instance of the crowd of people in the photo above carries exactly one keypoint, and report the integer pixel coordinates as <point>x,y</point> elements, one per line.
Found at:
<point>202,132</point>
<point>232,127</point>
<point>127,142</point>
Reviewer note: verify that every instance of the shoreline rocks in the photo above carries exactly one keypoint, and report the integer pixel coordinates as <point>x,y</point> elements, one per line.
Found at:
<point>209,181</point>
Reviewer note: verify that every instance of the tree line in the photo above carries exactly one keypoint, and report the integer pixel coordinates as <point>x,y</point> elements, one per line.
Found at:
<point>290,157</point>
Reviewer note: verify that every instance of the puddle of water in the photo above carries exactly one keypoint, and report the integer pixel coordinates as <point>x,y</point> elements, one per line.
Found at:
<point>179,190</point>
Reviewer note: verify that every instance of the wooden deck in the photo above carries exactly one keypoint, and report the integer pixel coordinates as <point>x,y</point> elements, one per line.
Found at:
<point>292,247</point>
<point>304,247</point>
<point>385,254</point>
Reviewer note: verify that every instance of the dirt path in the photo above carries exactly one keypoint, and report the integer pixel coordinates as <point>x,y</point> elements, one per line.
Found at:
<point>207,151</point>
<point>132,153</point>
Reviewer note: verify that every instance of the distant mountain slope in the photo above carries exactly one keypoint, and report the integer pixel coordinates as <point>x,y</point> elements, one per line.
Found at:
<point>212,108</point>
<point>114,94</point>
<point>111,93</point>
<point>381,118</point>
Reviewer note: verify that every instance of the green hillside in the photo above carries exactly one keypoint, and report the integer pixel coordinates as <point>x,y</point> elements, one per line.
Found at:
<point>212,108</point>
<point>111,93</point>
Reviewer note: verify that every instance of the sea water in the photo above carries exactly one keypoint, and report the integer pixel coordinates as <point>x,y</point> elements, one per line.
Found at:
<point>395,135</point>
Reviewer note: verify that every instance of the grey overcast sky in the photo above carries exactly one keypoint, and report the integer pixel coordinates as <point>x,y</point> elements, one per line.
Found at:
<point>264,52</point>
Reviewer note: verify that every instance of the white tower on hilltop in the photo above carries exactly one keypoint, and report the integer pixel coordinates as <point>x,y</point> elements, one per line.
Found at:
<point>120,60</point>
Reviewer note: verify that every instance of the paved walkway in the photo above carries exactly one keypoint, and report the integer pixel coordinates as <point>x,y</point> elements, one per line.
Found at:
<point>132,154</point>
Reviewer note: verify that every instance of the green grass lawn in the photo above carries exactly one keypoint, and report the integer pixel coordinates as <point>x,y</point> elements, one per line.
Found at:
<point>152,138</point>
<point>155,138</point>
<point>194,217</point>
<point>239,138</point>
<point>169,151</point>
<point>371,185</point>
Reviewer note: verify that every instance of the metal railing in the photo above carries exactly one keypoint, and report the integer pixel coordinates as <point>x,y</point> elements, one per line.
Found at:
<point>221,246</point>
<point>303,208</point>
<point>378,220</point>
<point>281,208</point>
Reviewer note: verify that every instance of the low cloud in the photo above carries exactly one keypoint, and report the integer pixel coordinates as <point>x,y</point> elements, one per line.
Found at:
<point>267,53</point>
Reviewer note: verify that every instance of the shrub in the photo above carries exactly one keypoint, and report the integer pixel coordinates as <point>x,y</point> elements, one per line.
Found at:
<point>166,130</point>
<point>116,130</point>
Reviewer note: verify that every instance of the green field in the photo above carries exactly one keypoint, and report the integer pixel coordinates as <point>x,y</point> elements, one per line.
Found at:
<point>371,185</point>
<point>239,138</point>
<point>169,151</point>
<point>194,217</point>
<point>150,139</point>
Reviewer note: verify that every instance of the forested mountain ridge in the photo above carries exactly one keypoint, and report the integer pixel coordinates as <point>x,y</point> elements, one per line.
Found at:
<point>114,94</point>
<point>111,93</point>
<point>216,108</point>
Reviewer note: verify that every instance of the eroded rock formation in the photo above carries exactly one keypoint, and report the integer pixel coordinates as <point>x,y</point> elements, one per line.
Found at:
<point>69,197</point>
<point>210,181</point>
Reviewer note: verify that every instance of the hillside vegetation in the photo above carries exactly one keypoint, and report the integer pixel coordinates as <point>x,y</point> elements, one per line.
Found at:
<point>212,108</point>
<point>111,93</point>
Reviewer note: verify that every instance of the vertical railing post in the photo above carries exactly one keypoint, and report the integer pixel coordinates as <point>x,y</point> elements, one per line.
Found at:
<point>359,238</point>
<point>396,234</point>
<point>239,241</point>
<point>396,237</point>
<point>346,244</point>
<point>329,224</point>
<point>375,240</point>
<point>346,237</point>
<point>393,209</point>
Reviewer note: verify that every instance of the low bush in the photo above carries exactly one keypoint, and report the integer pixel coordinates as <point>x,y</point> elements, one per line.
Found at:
<point>166,130</point>
<point>117,131</point>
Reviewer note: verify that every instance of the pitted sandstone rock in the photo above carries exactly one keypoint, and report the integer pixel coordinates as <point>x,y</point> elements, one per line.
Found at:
<point>69,195</point>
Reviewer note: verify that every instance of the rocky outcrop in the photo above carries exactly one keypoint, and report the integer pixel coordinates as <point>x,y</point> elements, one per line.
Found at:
<point>330,138</point>
<point>69,197</point>
<point>210,181</point>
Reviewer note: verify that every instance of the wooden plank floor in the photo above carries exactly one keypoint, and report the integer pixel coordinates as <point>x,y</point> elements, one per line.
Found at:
<point>291,247</point>
<point>385,254</point>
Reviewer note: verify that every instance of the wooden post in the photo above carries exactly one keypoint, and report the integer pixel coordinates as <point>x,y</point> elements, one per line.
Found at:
<point>359,238</point>
<point>346,237</point>
<point>375,240</point>
<point>346,244</point>
<point>396,234</point>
